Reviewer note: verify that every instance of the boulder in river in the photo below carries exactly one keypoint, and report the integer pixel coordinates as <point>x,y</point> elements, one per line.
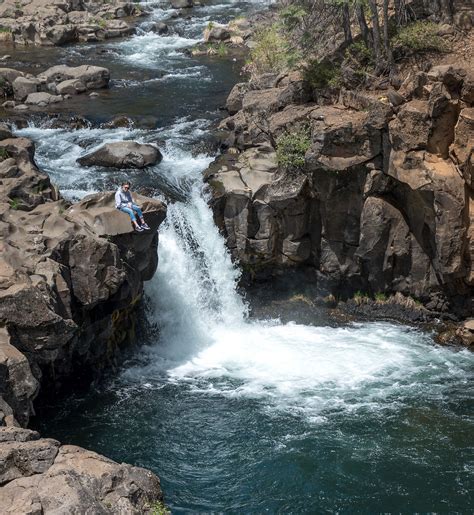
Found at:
<point>93,77</point>
<point>123,154</point>
<point>181,4</point>
<point>70,87</point>
<point>22,87</point>
<point>43,99</point>
<point>216,33</point>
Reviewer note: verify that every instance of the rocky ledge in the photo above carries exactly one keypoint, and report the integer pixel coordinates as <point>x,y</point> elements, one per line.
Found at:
<point>49,23</point>
<point>382,200</point>
<point>39,475</point>
<point>71,277</point>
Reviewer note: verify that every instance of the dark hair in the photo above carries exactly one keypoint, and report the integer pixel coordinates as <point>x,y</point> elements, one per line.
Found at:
<point>126,183</point>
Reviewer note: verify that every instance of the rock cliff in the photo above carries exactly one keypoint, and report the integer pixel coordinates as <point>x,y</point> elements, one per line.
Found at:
<point>69,279</point>
<point>383,200</point>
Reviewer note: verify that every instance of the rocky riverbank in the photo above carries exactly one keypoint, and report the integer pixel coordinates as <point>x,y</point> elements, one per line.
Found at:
<point>70,279</point>
<point>35,22</point>
<point>380,201</point>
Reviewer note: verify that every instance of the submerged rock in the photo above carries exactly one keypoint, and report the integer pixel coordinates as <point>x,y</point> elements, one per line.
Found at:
<point>123,154</point>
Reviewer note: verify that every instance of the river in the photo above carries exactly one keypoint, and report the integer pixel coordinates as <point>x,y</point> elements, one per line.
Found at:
<point>235,413</point>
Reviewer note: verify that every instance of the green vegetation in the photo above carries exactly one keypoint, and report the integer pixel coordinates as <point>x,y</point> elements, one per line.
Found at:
<point>222,50</point>
<point>272,52</point>
<point>5,30</point>
<point>15,203</point>
<point>4,154</point>
<point>361,54</point>
<point>210,25</point>
<point>291,148</point>
<point>158,508</point>
<point>322,74</point>
<point>360,297</point>
<point>420,36</point>
<point>291,16</point>
<point>380,297</point>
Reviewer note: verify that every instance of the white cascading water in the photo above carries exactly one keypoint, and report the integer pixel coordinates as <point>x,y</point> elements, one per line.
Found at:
<point>207,342</point>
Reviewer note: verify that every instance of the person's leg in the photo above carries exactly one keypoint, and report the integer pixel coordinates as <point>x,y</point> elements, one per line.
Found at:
<point>140,215</point>
<point>138,210</point>
<point>131,214</point>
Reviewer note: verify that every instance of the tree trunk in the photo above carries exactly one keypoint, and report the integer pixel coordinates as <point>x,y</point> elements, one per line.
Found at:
<point>447,10</point>
<point>364,29</point>
<point>346,22</point>
<point>386,34</point>
<point>376,35</point>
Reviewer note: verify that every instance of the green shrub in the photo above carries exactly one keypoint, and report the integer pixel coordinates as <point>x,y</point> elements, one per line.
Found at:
<point>420,36</point>
<point>158,508</point>
<point>359,53</point>
<point>322,74</point>
<point>4,154</point>
<point>272,52</point>
<point>292,147</point>
<point>360,297</point>
<point>292,16</point>
<point>15,203</point>
<point>222,50</point>
<point>380,297</point>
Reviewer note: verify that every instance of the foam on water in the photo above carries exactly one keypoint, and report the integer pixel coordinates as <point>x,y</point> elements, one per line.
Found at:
<point>150,50</point>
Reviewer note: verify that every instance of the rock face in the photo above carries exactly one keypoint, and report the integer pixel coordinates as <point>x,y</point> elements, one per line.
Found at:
<point>38,475</point>
<point>123,154</point>
<point>384,201</point>
<point>50,23</point>
<point>69,279</point>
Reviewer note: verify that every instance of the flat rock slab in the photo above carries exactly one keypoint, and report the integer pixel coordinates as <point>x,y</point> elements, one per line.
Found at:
<point>123,154</point>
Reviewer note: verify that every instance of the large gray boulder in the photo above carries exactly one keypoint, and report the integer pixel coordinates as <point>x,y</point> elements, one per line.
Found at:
<point>42,99</point>
<point>93,77</point>
<point>71,87</point>
<point>123,154</point>
<point>22,87</point>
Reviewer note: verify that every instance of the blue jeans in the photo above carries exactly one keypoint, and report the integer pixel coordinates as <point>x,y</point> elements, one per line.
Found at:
<point>130,212</point>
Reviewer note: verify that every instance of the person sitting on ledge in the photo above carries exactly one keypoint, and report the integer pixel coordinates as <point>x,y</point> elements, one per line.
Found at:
<point>124,202</point>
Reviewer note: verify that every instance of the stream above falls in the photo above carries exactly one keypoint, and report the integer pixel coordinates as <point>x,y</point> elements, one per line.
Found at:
<point>237,413</point>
